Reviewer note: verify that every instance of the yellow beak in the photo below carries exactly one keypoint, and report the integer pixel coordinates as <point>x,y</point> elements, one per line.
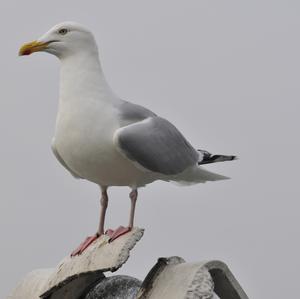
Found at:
<point>31,47</point>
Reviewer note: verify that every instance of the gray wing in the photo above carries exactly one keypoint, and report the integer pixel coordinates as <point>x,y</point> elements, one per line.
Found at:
<point>130,113</point>
<point>157,145</point>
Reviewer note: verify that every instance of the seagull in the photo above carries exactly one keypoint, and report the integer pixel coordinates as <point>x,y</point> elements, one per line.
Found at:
<point>109,141</point>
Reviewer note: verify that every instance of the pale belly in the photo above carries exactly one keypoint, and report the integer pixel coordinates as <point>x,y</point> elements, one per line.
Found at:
<point>92,155</point>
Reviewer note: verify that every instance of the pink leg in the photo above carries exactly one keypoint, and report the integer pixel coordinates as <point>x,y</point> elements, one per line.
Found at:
<point>104,203</point>
<point>121,230</point>
<point>133,196</point>
<point>89,240</point>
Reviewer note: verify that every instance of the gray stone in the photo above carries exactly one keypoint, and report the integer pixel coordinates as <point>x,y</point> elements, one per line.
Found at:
<point>32,285</point>
<point>101,256</point>
<point>74,275</point>
<point>173,278</point>
<point>225,284</point>
<point>115,287</point>
<point>76,288</point>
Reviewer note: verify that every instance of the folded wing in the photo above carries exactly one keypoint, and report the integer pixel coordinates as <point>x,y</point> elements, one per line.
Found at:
<point>157,145</point>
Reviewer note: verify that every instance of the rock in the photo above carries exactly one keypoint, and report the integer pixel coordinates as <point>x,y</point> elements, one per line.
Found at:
<point>100,257</point>
<point>115,287</point>
<point>225,284</point>
<point>31,285</point>
<point>71,278</point>
<point>82,277</point>
<point>173,278</point>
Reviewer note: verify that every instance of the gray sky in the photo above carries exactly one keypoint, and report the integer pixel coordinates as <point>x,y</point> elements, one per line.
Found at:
<point>226,73</point>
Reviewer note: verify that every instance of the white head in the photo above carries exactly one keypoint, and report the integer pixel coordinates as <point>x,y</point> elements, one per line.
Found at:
<point>63,40</point>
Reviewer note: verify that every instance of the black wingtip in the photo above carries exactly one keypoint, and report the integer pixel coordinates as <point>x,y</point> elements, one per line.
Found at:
<point>209,158</point>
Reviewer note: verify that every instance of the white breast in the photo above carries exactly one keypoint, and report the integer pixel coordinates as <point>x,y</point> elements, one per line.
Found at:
<point>84,140</point>
<point>86,123</point>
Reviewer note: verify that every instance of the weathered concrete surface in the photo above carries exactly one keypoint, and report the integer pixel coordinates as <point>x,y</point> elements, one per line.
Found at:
<point>73,275</point>
<point>115,287</point>
<point>172,278</point>
<point>100,256</point>
<point>226,285</point>
<point>32,285</point>
<point>82,277</point>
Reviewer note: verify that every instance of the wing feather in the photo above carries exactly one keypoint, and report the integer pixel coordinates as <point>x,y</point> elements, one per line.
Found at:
<point>157,145</point>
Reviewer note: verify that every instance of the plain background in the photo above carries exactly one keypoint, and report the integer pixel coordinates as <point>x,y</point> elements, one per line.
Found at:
<point>226,73</point>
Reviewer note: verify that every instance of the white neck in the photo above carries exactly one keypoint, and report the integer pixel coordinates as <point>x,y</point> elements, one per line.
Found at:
<point>82,78</point>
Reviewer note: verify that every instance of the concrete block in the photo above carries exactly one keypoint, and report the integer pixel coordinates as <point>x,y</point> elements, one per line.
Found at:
<point>173,278</point>
<point>73,275</point>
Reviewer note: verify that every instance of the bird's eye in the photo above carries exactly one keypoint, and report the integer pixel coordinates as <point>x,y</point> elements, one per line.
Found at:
<point>63,31</point>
